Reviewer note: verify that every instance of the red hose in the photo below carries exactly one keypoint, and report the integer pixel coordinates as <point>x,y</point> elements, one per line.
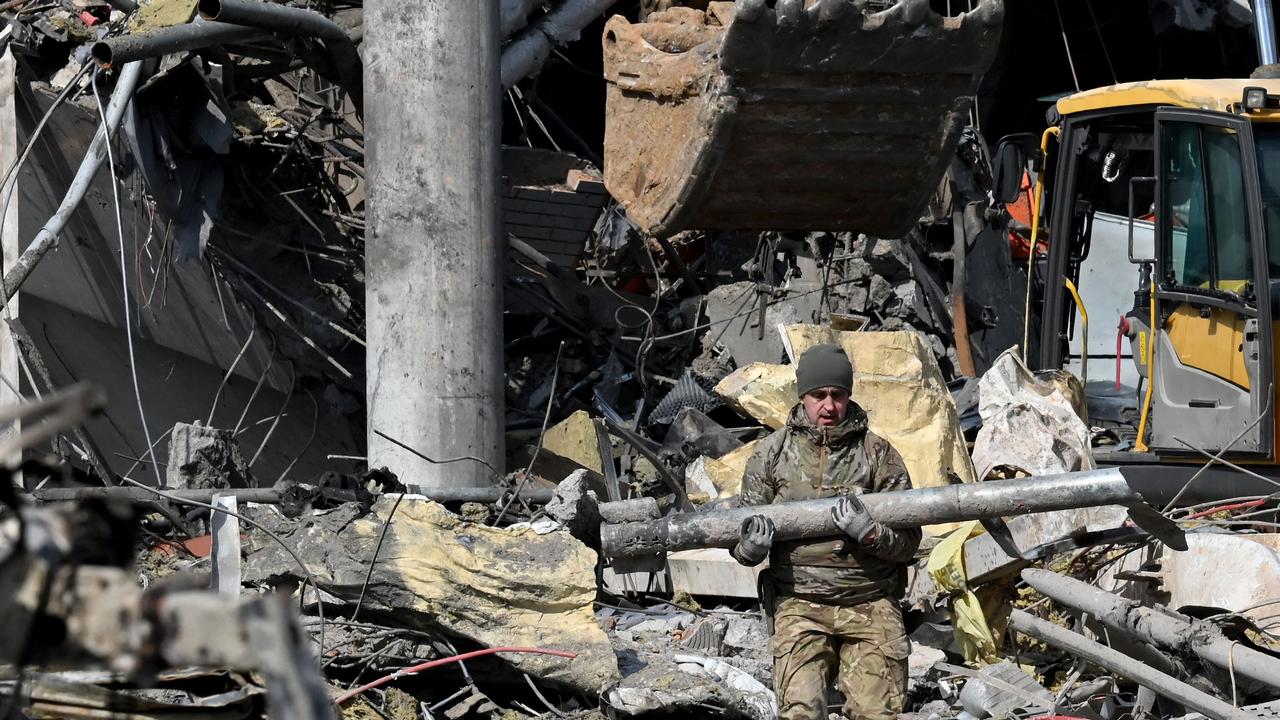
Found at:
<point>1225,508</point>
<point>445,661</point>
<point>1121,330</point>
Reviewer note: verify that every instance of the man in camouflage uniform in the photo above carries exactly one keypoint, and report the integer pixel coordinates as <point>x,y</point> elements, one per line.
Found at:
<point>836,599</point>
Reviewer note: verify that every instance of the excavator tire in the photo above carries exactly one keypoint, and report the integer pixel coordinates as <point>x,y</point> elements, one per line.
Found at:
<point>794,115</point>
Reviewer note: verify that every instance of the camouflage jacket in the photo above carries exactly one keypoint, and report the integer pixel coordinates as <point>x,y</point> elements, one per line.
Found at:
<point>802,462</point>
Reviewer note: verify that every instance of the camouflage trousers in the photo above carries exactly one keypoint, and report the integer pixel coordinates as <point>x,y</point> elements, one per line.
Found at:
<point>866,643</point>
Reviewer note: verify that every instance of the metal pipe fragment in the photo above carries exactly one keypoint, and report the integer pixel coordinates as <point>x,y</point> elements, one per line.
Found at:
<point>526,54</point>
<point>295,21</point>
<point>126,83</point>
<point>905,508</point>
<point>1125,666</point>
<point>635,509</point>
<point>1167,629</point>
<point>178,38</point>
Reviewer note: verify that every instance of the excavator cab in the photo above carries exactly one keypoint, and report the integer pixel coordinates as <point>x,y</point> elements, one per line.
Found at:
<point>788,114</point>
<point>1163,223</point>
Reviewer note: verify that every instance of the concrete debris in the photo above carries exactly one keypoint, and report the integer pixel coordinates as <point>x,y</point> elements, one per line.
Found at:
<point>709,478</point>
<point>688,682</point>
<point>203,457</point>
<point>1000,689</point>
<point>573,440</point>
<point>1029,425</point>
<point>497,587</point>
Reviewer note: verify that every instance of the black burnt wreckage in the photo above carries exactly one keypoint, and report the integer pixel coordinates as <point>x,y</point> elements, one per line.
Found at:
<point>298,424</point>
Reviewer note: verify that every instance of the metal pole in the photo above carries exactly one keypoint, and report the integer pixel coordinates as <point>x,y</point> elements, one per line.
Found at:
<point>1264,27</point>
<point>433,261</point>
<point>1125,666</point>
<point>1164,628</point>
<point>906,508</point>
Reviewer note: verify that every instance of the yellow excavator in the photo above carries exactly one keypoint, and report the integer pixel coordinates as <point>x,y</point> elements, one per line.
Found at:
<point>1162,219</point>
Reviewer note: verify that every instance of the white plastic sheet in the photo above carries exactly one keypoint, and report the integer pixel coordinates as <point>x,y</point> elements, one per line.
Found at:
<point>1027,424</point>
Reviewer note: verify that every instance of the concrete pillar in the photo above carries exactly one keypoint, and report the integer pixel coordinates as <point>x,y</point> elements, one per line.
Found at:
<point>433,269</point>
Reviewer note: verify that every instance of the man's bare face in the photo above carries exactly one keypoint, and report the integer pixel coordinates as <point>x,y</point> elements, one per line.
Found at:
<point>826,406</point>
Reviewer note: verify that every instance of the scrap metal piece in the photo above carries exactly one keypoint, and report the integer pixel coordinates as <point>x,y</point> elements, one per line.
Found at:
<point>226,548</point>
<point>1124,665</point>
<point>823,118</point>
<point>998,690</point>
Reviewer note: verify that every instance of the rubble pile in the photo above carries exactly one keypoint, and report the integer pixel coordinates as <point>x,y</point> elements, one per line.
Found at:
<point>273,568</point>
<point>1086,612</point>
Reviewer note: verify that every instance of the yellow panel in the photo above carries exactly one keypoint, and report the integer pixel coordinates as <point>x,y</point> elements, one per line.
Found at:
<point>1213,344</point>
<point>1220,95</point>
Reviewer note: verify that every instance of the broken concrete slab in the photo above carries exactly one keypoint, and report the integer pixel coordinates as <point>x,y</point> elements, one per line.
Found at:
<point>697,482</point>
<point>985,561</point>
<point>761,391</point>
<point>202,458</point>
<point>574,439</point>
<point>712,572</point>
<point>709,478</point>
<point>887,258</point>
<point>494,586</point>
<point>739,331</point>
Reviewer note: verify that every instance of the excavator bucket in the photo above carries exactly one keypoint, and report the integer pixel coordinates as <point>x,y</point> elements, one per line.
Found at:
<point>807,115</point>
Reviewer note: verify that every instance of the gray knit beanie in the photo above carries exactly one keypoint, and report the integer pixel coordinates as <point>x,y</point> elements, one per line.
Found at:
<point>823,366</point>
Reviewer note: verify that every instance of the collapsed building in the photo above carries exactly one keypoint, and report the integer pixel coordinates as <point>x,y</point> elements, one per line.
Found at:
<point>447,412</point>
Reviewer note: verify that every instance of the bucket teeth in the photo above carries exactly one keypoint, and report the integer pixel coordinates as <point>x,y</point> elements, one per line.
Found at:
<point>812,115</point>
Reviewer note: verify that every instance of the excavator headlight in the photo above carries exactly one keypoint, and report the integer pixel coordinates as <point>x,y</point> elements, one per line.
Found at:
<point>1255,98</point>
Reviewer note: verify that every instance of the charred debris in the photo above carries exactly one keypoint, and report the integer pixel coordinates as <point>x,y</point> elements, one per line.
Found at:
<point>193,524</point>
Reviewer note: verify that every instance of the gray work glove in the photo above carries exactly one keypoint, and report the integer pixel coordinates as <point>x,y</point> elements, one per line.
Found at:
<point>852,518</point>
<point>754,540</point>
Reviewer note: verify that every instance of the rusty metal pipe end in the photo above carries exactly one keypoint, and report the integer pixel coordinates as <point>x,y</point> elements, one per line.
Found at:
<point>102,54</point>
<point>209,9</point>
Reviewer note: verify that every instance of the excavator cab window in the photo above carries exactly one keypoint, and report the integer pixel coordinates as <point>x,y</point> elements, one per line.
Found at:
<point>1207,235</point>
